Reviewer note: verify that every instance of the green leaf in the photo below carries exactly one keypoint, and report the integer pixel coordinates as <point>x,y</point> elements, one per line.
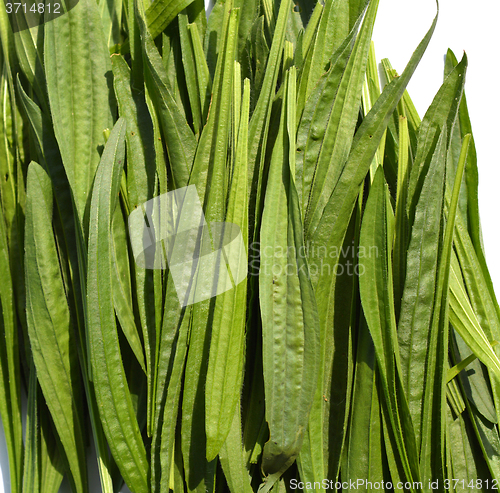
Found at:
<point>407,107</point>
<point>433,414</point>
<point>376,292</point>
<point>122,289</point>
<point>323,445</point>
<point>50,157</point>
<point>232,457</point>
<point>364,442</point>
<point>111,387</point>
<point>225,364</point>
<point>210,175</point>
<point>290,324</point>
<point>481,300</point>
<point>474,380</point>
<point>49,325</point>
<point>12,195</point>
<point>420,284</point>
<point>487,435</point>
<point>141,178</point>
<point>162,12</point>
<point>316,119</point>
<point>80,94</point>
<point>52,461</point>
<point>47,149</point>
<point>332,30</point>
<point>333,224</point>
<point>341,124</point>
<point>465,454</point>
<point>189,65</point>
<point>172,350</point>
<point>465,322</point>
<point>111,16</point>
<point>179,138</point>
<point>441,114</point>
<point>401,228</point>
<point>31,476</point>
<point>10,370</point>
<point>204,82</point>
<point>259,52</point>
<point>29,50</point>
<point>259,123</point>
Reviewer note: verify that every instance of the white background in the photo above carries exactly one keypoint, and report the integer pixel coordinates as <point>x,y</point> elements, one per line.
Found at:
<point>462,26</point>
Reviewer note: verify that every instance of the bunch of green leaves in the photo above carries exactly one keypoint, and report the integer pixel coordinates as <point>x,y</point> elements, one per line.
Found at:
<point>362,344</point>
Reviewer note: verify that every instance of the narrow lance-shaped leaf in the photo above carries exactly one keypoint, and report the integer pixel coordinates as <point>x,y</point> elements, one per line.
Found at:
<point>364,442</point>
<point>204,82</point>
<point>7,40</point>
<point>315,119</point>
<point>141,177</point>
<point>466,457</point>
<point>10,370</point>
<point>481,298</point>
<point>377,299</point>
<point>49,325</point>
<point>188,62</point>
<point>174,343</point>
<point>475,387</point>
<point>111,387</point>
<point>332,29</point>
<point>209,174</point>
<point>324,443</point>
<point>487,435</point>
<point>471,180</point>
<point>333,224</point>
<point>162,12</point>
<point>341,124</point>
<point>170,358</point>
<point>471,259</point>
<point>420,285</point>
<point>29,50</point>
<point>232,457</point>
<point>407,108</point>
<point>259,49</point>
<point>12,196</point>
<point>259,123</point>
<point>441,114</point>
<point>32,458</point>
<point>122,290</point>
<point>80,95</point>
<point>290,325</point>
<point>465,322</point>
<point>8,184</point>
<point>179,138</point>
<point>401,233</point>
<point>51,161</point>
<point>433,413</point>
<point>225,364</point>
<point>52,462</point>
